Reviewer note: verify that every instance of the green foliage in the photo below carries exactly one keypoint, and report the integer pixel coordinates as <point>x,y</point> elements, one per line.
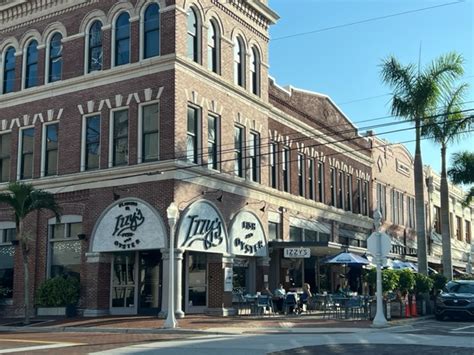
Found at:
<point>423,283</point>
<point>389,279</point>
<point>465,277</point>
<point>58,292</point>
<point>406,281</point>
<point>439,280</point>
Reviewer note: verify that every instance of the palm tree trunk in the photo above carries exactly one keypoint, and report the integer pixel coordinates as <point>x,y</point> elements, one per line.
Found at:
<point>26,275</point>
<point>445,228</point>
<point>420,205</point>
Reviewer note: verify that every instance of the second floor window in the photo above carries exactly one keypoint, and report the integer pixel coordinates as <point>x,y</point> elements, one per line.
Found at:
<point>239,62</point>
<point>213,42</point>
<point>459,228</point>
<point>120,138</point>
<point>193,36</point>
<point>26,153</point>
<point>5,151</point>
<point>285,156</point>
<point>255,72</point>
<point>301,177</point>
<point>467,231</point>
<point>320,181</point>
<point>31,73</point>
<point>411,212</point>
<point>92,142</point>
<point>212,142</point>
<point>151,31</point>
<point>238,151</point>
<point>437,219</point>
<point>51,150</point>
<point>192,135</point>
<point>340,190</point>
<point>365,198</point>
<point>333,174</point>
<point>381,197</point>
<point>9,71</point>
<point>348,192</point>
<point>95,47</point>
<point>55,66</point>
<point>253,158</point>
<point>122,39</point>
<point>273,164</point>
<point>311,179</point>
<point>150,133</point>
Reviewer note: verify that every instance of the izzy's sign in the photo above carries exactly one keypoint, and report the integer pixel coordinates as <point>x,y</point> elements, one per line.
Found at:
<point>202,229</point>
<point>129,224</point>
<point>247,235</point>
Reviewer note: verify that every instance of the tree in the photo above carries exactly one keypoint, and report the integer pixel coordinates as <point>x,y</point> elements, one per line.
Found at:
<point>25,199</point>
<point>462,171</point>
<point>444,129</point>
<point>416,94</point>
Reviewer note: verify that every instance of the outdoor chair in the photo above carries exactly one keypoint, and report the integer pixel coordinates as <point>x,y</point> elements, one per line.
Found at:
<point>289,303</point>
<point>355,307</point>
<point>333,306</point>
<point>264,304</point>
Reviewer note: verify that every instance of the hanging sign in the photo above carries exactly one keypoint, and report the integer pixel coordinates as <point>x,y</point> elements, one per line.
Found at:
<point>201,228</point>
<point>297,252</point>
<point>247,235</point>
<point>129,224</point>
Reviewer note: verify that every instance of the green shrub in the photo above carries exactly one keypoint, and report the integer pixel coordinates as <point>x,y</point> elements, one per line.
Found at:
<point>439,280</point>
<point>406,281</point>
<point>389,279</point>
<point>423,283</point>
<point>58,292</point>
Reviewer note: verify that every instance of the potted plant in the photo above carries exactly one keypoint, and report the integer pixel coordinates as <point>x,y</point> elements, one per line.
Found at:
<point>389,283</point>
<point>423,285</point>
<point>406,284</point>
<point>58,296</point>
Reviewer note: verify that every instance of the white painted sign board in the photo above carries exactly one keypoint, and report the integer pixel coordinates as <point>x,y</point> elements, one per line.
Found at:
<point>385,244</point>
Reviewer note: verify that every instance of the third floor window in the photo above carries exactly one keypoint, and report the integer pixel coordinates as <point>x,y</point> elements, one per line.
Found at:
<point>5,151</point>
<point>120,138</point>
<point>9,71</point>
<point>151,31</point>
<point>31,72</point>
<point>122,39</point>
<point>55,66</point>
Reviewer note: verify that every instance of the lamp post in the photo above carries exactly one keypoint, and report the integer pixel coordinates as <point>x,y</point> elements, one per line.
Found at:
<point>172,211</point>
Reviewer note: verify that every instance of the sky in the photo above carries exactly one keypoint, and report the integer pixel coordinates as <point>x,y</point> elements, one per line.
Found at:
<point>344,62</point>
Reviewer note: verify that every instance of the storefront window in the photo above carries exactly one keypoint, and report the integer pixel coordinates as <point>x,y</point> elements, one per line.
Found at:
<point>7,255</point>
<point>273,231</point>
<point>296,234</point>
<point>65,249</point>
<point>241,275</point>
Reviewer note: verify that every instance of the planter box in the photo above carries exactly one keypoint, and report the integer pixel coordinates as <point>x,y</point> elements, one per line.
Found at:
<point>68,311</point>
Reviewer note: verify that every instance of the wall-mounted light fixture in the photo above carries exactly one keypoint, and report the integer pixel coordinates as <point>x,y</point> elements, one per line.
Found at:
<point>81,236</point>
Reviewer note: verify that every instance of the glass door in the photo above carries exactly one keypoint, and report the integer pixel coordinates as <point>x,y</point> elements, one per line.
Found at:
<point>196,292</point>
<point>149,287</point>
<point>123,298</point>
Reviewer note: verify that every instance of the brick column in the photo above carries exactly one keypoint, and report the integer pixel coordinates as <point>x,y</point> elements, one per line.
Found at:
<point>97,284</point>
<point>263,272</point>
<point>219,302</point>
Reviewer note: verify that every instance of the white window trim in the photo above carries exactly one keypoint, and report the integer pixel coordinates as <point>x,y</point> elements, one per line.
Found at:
<point>142,30</point>
<point>43,147</point>
<point>19,153</point>
<point>112,45</point>
<point>140,129</point>
<point>83,138</point>
<point>111,134</point>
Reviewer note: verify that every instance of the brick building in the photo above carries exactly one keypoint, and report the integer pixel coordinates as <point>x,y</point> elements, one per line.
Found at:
<point>120,108</point>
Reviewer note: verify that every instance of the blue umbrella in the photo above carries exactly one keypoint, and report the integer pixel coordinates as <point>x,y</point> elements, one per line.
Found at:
<point>347,258</point>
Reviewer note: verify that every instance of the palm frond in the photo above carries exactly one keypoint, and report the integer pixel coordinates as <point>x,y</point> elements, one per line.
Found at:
<point>445,69</point>
<point>44,200</point>
<point>462,170</point>
<point>399,77</point>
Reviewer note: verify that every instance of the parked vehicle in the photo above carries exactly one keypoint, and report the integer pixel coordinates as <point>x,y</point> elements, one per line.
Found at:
<point>455,300</point>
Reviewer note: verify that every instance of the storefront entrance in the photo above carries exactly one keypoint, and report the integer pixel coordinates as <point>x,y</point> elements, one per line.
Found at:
<point>196,280</point>
<point>135,283</point>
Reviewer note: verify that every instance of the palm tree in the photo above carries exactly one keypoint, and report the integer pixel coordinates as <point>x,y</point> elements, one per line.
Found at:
<point>25,199</point>
<point>462,171</point>
<point>416,93</point>
<point>448,127</point>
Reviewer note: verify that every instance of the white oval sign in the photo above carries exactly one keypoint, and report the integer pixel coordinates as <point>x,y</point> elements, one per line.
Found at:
<point>202,228</point>
<point>129,224</point>
<point>247,235</point>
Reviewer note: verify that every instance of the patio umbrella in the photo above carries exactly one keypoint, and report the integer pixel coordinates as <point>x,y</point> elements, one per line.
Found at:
<point>347,258</point>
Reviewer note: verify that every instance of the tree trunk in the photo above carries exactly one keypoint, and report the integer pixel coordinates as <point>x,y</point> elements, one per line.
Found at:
<point>26,275</point>
<point>420,205</point>
<point>445,227</point>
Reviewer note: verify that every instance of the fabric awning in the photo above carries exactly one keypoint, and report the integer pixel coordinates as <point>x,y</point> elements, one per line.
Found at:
<point>396,242</point>
<point>311,225</point>
<point>352,234</point>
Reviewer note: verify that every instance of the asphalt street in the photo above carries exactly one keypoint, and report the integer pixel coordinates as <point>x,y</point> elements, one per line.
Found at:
<point>420,337</point>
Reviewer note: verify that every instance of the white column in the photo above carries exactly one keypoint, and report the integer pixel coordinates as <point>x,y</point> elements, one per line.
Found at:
<point>164,284</point>
<point>178,276</point>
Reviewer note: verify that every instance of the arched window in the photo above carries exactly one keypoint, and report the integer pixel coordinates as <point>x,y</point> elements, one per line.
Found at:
<point>95,47</point>
<point>55,58</point>
<point>213,48</point>
<point>122,39</point>
<point>9,71</point>
<point>239,62</point>
<point>193,36</point>
<point>255,71</point>
<point>31,73</point>
<point>151,31</point>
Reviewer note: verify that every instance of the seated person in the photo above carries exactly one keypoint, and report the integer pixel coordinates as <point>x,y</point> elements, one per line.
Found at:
<point>304,297</point>
<point>279,294</point>
<point>280,291</point>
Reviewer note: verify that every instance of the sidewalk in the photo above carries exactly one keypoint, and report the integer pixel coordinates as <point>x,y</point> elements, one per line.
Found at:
<point>195,324</point>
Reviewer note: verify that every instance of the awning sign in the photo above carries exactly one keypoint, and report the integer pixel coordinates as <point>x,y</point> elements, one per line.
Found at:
<point>129,224</point>
<point>201,228</point>
<point>247,235</point>
<point>297,252</point>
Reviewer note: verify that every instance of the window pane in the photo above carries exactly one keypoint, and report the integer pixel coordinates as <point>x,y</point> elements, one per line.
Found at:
<point>55,58</point>
<point>121,123</point>
<point>121,151</point>
<point>51,162</point>
<point>52,136</point>
<point>66,258</point>
<point>151,29</point>
<point>150,118</point>
<point>150,146</point>
<point>32,65</point>
<point>75,229</point>
<point>92,156</point>
<point>57,231</point>
<point>5,166</point>
<point>9,71</point>
<point>7,254</point>
<point>28,140</point>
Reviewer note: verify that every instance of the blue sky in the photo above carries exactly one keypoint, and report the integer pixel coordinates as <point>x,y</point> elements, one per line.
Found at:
<point>344,62</point>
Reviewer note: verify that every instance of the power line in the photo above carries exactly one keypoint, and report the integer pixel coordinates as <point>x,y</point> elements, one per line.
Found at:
<point>371,19</point>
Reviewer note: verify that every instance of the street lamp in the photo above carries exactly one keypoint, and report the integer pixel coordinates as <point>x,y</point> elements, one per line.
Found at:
<point>173,212</point>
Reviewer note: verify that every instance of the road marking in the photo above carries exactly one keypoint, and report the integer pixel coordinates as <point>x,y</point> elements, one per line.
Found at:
<point>462,328</point>
<point>39,347</point>
<point>35,341</point>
